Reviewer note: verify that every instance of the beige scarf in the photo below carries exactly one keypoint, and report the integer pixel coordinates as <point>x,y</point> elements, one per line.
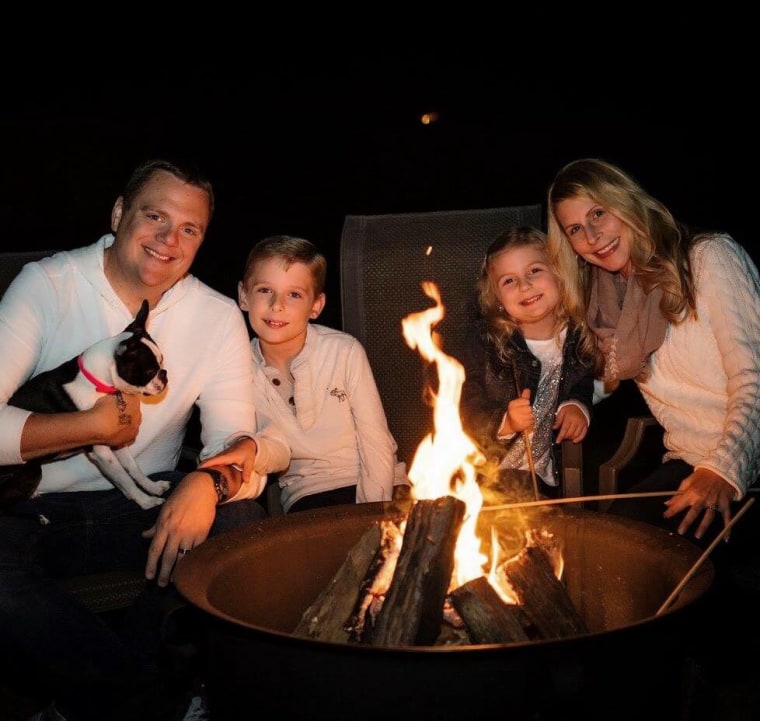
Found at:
<point>628,329</point>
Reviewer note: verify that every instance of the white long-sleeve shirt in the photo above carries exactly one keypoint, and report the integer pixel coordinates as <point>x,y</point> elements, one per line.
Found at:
<point>704,383</point>
<point>62,304</point>
<point>338,434</point>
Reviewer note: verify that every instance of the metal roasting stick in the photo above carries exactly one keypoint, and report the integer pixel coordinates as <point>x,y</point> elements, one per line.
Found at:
<point>575,499</point>
<point>583,499</point>
<point>531,463</point>
<point>526,437</point>
<point>702,558</point>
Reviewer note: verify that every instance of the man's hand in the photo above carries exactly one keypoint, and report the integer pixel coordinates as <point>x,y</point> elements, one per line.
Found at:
<point>184,522</point>
<point>116,419</point>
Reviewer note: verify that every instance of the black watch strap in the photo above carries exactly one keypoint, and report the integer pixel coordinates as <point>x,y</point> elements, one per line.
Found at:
<point>220,484</point>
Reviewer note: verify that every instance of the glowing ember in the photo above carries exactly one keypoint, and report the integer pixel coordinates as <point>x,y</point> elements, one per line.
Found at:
<point>445,461</point>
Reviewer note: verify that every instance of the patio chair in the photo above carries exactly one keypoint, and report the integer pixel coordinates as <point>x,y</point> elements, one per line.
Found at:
<point>383,261</point>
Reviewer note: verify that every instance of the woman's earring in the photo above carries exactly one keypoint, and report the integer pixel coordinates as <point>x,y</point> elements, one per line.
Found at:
<point>500,308</point>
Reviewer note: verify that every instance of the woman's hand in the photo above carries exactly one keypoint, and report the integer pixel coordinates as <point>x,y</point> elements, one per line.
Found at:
<point>705,491</point>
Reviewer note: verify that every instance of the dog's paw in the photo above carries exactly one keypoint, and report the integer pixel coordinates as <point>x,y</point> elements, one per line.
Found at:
<point>147,502</point>
<point>157,488</point>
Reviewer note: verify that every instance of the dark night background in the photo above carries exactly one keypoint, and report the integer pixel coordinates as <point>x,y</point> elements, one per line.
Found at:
<point>294,141</point>
<point>296,136</point>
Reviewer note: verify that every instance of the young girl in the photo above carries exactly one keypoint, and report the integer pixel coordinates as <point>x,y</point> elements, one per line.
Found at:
<point>530,362</point>
<point>314,383</point>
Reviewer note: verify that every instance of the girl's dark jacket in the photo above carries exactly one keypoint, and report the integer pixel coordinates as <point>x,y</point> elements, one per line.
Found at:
<point>490,384</point>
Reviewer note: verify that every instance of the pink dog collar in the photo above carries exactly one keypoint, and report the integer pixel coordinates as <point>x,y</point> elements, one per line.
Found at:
<point>99,385</point>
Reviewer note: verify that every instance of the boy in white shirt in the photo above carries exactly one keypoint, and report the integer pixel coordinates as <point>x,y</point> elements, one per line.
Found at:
<point>315,383</point>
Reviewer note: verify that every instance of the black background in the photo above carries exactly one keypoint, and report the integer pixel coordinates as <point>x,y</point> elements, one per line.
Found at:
<point>295,139</point>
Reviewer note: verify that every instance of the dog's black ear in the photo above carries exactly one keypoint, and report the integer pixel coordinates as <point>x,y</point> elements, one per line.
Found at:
<point>138,324</point>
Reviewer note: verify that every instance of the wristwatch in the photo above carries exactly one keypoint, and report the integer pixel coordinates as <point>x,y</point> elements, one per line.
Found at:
<point>220,484</point>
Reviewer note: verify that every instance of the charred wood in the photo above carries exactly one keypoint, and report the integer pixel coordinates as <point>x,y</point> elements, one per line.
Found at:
<point>486,617</point>
<point>413,607</point>
<point>542,596</point>
<point>376,583</point>
<point>327,617</point>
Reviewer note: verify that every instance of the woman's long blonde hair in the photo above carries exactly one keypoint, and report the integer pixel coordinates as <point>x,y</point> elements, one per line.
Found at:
<point>660,251</point>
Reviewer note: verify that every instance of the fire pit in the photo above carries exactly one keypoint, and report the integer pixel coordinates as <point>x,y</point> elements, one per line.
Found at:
<point>256,582</point>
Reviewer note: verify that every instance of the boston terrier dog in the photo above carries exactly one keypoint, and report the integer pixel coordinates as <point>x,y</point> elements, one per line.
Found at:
<point>129,362</point>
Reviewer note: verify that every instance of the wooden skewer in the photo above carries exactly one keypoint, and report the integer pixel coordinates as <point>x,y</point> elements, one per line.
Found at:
<point>702,558</point>
<point>526,437</point>
<point>531,463</point>
<point>583,499</point>
<point>576,499</point>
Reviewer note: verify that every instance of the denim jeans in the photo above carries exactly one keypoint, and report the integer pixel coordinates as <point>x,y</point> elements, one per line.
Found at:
<point>48,637</point>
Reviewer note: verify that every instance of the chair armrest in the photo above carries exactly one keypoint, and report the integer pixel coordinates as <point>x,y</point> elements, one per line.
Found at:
<point>273,502</point>
<point>609,471</point>
<point>572,469</point>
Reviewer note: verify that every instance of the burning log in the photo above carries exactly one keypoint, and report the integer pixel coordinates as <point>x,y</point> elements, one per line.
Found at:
<point>542,596</point>
<point>486,617</point>
<point>413,607</point>
<point>376,583</point>
<point>326,618</point>
<point>425,553</point>
<point>392,589</point>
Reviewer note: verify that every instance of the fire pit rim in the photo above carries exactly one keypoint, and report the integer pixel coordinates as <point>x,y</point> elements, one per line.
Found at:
<point>220,552</point>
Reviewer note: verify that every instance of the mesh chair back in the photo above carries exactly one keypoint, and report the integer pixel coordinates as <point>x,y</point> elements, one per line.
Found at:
<point>383,261</point>
<point>12,263</point>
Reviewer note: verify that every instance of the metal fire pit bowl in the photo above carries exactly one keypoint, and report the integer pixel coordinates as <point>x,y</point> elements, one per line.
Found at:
<point>255,583</point>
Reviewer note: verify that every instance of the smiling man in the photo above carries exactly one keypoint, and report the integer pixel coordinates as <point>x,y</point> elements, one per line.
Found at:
<point>77,523</point>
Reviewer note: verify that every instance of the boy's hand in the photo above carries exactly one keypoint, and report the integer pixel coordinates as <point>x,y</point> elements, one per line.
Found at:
<point>241,454</point>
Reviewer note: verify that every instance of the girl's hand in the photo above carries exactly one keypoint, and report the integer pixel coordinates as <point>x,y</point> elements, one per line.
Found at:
<point>572,424</point>
<point>520,412</point>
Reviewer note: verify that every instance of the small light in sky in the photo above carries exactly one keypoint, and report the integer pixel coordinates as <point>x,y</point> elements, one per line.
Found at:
<point>429,250</point>
<point>428,118</point>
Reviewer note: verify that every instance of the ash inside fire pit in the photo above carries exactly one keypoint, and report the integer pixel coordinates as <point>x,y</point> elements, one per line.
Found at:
<point>257,581</point>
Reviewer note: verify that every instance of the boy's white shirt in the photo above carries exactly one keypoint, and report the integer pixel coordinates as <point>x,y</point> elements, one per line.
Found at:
<point>339,434</point>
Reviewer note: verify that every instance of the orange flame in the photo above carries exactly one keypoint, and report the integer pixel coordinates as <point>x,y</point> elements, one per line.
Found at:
<point>444,463</point>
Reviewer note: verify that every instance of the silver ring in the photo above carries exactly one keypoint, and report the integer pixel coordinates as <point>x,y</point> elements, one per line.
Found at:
<point>182,552</point>
<point>713,507</point>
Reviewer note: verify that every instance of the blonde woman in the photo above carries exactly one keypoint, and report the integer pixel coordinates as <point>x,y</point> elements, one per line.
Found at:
<point>679,313</point>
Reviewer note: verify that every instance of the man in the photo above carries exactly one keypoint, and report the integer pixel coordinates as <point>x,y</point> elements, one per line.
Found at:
<point>77,522</point>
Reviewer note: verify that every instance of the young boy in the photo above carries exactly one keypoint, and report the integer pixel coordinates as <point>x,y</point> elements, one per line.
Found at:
<point>315,383</point>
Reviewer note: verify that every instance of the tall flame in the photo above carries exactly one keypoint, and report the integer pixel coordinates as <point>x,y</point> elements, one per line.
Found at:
<point>444,463</point>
